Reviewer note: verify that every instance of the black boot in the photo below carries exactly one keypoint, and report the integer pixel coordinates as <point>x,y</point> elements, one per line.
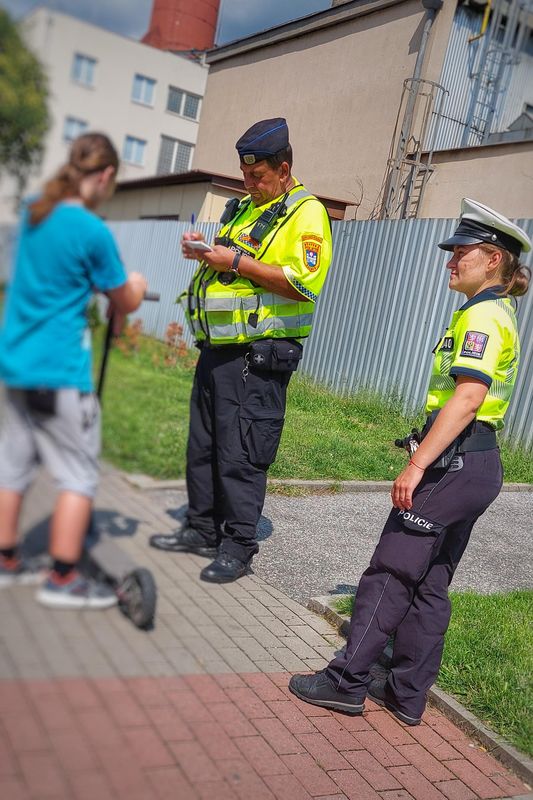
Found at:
<point>318,690</point>
<point>379,692</point>
<point>187,540</point>
<point>224,569</point>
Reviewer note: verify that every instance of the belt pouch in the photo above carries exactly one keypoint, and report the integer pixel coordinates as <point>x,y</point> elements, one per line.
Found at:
<point>275,355</point>
<point>43,401</point>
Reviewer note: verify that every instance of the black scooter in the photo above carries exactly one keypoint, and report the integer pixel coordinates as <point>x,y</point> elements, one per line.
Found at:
<point>134,586</point>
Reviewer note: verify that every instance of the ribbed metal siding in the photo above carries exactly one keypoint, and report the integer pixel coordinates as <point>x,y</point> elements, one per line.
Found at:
<point>462,61</point>
<point>8,235</point>
<point>154,248</point>
<point>386,304</point>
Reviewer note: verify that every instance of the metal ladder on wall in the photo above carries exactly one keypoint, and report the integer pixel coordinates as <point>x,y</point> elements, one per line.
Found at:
<point>501,49</point>
<point>410,166</point>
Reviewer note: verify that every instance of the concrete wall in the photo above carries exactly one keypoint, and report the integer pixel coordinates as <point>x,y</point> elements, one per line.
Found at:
<point>339,88</point>
<point>107,106</point>
<point>499,175</point>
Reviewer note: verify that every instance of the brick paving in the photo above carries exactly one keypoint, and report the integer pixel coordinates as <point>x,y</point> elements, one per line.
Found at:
<point>198,707</point>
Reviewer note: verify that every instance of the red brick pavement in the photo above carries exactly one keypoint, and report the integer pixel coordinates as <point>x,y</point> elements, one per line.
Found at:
<point>225,737</point>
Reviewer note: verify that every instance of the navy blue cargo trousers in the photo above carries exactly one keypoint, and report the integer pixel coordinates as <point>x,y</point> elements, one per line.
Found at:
<point>404,591</point>
<point>236,422</point>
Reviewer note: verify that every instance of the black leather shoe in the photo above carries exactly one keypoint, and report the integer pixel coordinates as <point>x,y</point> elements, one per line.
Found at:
<point>318,690</point>
<point>378,692</point>
<point>224,569</point>
<point>186,540</point>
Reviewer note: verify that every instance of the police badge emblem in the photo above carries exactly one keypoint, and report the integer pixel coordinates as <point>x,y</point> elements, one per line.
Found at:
<point>312,246</point>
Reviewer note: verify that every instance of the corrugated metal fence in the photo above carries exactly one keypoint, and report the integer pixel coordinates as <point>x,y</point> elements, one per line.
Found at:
<point>384,305</point>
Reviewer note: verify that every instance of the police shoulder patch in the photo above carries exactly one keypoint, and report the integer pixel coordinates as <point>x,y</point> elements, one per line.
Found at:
<point>474,344</point>
<point>312,245</point>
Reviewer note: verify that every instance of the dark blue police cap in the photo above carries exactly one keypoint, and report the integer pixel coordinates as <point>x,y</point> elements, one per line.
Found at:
<point>262,140</point>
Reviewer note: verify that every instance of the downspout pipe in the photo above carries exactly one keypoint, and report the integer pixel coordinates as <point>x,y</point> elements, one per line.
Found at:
<point>432,9</point>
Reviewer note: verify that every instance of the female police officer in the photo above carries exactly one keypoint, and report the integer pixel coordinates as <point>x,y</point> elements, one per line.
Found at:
<point>439,495</point>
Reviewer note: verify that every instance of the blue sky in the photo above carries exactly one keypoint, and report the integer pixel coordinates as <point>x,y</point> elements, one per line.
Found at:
<point>130,17</point>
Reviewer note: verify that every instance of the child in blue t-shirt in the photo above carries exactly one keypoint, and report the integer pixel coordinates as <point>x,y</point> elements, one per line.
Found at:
<point>51,415</point>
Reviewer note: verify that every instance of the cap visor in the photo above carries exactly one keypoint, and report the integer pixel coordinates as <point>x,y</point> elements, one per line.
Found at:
<point>456,240</point>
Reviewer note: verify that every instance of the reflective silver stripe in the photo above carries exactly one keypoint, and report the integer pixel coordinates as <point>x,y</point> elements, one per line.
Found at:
<point>246,302</point>
<point>224,303</point>
<point>232,331</point>
<point>298,321</point>
<point>296,197</point>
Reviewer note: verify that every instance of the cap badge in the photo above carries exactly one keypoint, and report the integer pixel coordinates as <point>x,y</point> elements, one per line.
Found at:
<point>249,158</point>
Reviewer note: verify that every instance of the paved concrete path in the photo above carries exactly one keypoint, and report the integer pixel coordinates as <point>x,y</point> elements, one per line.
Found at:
<point>198,707</point>
<point>320,544</point>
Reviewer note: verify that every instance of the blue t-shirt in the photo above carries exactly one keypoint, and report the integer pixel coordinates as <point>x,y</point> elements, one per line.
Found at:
<point>45,340</point>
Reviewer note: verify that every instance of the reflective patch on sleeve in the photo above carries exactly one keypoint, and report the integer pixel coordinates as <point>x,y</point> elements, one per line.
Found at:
<point>474,344</point>
<point>312,245</point>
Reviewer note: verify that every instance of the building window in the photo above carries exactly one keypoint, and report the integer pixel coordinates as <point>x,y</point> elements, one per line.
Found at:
<point>73,128</point>
<point>192,104</point>
<point>143,90</point>
<point>175,100</point>
<point>174,156</point>
<point>183,103</point>
<point>133,151</point>
<point>83,69</point>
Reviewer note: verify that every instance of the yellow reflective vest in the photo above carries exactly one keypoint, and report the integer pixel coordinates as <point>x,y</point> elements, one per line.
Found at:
<point>241,311</point>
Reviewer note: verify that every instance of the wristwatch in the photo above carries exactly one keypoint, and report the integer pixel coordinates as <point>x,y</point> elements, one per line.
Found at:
<point>235,264</point>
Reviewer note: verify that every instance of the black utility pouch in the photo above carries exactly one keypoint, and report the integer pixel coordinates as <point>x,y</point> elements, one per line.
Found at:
<point>43,401</point>
<point>275,355</point>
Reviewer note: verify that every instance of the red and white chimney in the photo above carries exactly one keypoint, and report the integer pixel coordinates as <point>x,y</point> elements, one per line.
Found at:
<point>182,24</point>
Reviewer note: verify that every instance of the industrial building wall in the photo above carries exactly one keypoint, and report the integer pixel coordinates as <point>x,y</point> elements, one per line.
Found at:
<point>461,65</point>
<point>339,88</point>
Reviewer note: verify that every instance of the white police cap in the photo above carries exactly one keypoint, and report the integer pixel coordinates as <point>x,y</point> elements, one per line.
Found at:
<point>480,223</point>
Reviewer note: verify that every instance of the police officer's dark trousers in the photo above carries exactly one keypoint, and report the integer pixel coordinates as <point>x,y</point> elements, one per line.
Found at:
<point>235,428</point>
<point>405,589</point>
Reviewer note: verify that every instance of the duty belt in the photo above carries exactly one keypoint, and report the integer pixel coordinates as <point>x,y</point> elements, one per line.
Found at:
<point>482,437</point>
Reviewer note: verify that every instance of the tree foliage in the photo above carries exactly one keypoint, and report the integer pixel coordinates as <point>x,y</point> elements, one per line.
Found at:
<point>24,118</point>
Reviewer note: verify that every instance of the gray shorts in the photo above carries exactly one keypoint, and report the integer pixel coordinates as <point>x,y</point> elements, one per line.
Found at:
<point>66,442</point>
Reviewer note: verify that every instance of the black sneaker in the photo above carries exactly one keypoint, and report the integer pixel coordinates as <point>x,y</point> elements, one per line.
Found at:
<point>224,569</point>
<point>318,690</point>
<point>380,694</point>
<point>187,540</point>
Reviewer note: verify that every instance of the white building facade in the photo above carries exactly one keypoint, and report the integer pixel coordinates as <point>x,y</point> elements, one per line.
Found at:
<point>147,101</point>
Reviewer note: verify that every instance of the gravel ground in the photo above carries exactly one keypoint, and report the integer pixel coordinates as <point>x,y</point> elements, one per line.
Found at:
<point>319,544</point>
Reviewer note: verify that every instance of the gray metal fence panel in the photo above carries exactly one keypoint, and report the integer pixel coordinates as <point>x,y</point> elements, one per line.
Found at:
<point>384,305</point>
<point>8,234</point>
<point>153,248</point>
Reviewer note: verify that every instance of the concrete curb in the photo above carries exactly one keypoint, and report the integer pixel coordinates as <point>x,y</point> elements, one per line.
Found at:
<point>146,483</point>
<point>497,746</point>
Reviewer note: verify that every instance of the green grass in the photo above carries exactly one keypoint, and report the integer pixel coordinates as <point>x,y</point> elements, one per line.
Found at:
<point>488,660</point>
<point>325,436</point>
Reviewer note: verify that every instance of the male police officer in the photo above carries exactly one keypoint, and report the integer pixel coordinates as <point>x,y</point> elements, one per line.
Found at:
<point>249,305</point>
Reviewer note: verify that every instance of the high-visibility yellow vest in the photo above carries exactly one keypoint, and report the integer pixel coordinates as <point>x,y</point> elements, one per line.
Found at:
<point>241,311</point>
